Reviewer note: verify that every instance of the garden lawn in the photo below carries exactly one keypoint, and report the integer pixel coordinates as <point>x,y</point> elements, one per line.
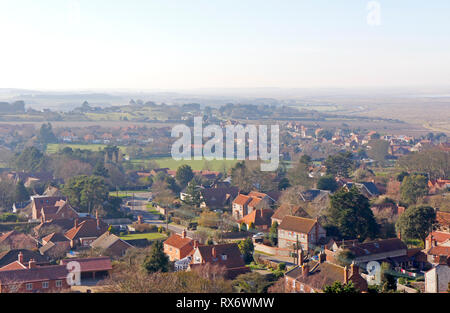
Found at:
<point>148,236</point>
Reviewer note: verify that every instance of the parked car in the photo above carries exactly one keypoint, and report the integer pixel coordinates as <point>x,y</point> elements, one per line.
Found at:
<point>258,236</point>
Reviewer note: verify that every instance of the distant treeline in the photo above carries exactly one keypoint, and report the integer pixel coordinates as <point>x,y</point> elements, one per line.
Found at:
<point>15,107</point>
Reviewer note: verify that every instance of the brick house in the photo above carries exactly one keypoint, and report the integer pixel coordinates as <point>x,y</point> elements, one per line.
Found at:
<point>245,204</point>
<point>54,207</point>
<point>313,276</point>
<point>225,256</point>
<point>111,244</point>
<point>32,279</point>
<point>308,232</point>
<point>260,218</point>
<point>392,250</point>
<point>178,247</point>
<point>84,233</point>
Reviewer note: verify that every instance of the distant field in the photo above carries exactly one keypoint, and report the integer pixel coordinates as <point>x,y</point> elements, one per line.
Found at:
<point>213,165</point>
<point>55,147</point>
<point>148,236</point>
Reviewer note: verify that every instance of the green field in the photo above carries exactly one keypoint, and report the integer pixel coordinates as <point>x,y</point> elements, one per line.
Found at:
<point>213,165</point>
<point>148,236</point>
<point>55,147</point>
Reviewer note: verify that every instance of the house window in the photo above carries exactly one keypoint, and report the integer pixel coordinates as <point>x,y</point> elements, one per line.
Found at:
<point>29,286</point>
<point>45,284</point>
<point>224,257</point>
<point>58,283</point>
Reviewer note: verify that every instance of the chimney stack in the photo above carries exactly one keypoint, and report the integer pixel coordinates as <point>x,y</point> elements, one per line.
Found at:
<point>20,257</point>
<point>322,257</point>
<point>214,252</point>
<point>140,219</point>
<point>195,244</point>
<point>300,258</point>
<point>32,263</point>
<point>75,224</point>
<point>442,260</point>
<point>305,269</point>
<point>183,233</point>
<point>345,275</point>
<point>354,269</point>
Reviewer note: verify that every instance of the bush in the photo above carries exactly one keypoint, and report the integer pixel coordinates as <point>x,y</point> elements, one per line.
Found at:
<point>145,228</point>
<point>282,266</point>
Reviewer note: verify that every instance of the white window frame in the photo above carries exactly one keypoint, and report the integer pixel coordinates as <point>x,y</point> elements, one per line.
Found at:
<point>45,284</point>
<point>29,286</point>
<point>58,283</point>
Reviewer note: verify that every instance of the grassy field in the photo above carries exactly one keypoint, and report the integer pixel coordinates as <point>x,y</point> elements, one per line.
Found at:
<point>213,165</point>
<point>148,236</point>
<point>55,147</point>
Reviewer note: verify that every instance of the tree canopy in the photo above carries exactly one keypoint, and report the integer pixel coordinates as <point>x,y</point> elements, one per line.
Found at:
<point>350,213</point>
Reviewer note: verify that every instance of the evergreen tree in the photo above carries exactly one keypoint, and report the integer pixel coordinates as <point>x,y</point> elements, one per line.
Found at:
<point>157,261</point>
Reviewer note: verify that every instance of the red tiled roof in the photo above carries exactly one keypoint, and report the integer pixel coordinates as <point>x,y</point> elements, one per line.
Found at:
<point>16,265</point>
<point>91,264</point>
<point>297,224</point>
<point>439,236</point>
<point>40,273</point>
<point>87,228</point>
<point>439,250</point>
<point>178,241</point>
<point>55,237</point>
<point>443,218</point>
<point>242,199</point>
<point>254,202</point>
<point>285,209</point>
<point>258,217</point>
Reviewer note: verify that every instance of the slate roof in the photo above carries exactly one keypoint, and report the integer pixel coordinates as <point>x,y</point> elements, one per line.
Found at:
<point>231,250</point>
<point>217,197</point>
<point>10,256</point>
<point>106,240</point>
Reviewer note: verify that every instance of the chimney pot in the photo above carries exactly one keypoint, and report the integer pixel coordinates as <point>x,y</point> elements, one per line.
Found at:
<point>32,263</point>
<point>214,252</point>
<point>305,269</point>
<point>183,233</point>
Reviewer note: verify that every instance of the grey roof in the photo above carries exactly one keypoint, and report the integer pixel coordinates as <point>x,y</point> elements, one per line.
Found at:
<point>106,240</point>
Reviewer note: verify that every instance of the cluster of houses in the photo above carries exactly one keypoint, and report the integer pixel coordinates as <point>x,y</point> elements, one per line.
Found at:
<point>300,237</point>
<point>27,262</point>
<point>399,145</point>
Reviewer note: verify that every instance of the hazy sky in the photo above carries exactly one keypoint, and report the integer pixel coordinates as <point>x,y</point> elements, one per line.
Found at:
<point>183,44</point>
